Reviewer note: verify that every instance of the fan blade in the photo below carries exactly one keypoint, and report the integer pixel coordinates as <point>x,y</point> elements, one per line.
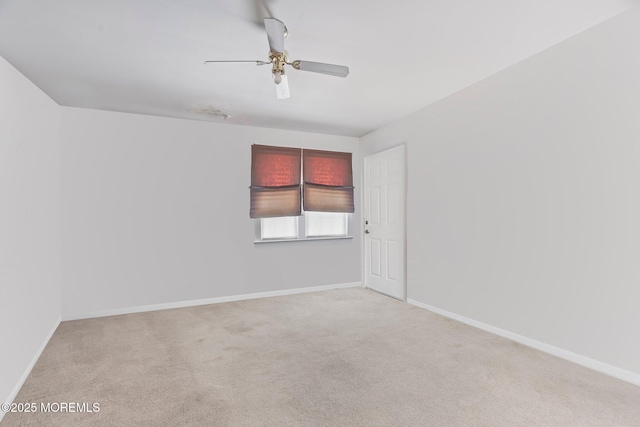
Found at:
<point>261,10</point>
<point>242,60</point>
<point>282,90</point>
<point>275,33</point>
<point>319,67</point>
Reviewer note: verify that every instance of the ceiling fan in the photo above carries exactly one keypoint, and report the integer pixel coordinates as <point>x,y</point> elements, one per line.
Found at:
<point>278,58</point>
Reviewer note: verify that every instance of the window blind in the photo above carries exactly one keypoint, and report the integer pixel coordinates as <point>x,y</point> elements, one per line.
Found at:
<point>275,181</point>
<point>328,181</point>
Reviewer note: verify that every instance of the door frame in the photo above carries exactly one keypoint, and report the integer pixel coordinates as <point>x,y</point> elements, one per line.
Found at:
<point>404,195</point>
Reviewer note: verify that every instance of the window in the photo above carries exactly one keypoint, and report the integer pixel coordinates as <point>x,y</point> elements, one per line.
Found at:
<point>309,226</point>
<point>283,227</point>
<point>300,194</point>
<point>325,224</point>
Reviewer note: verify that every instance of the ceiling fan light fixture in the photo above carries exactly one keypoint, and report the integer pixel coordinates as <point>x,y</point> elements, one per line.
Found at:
<point>277,77</point>
<point>282,90</point>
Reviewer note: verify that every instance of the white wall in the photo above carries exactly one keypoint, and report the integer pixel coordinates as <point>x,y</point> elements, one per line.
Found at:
<point>29,224</point>
<point>156,210</point>
<point>524,196</point>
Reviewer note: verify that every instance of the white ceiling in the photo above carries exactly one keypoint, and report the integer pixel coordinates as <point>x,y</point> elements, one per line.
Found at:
<point>146,56</point>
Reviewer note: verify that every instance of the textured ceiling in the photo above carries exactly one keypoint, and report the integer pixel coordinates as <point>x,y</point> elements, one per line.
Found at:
<point>144,56</point>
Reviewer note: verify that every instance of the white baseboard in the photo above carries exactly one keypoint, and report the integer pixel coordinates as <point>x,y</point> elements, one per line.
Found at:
<point>205,301</point>
<point>587,362</point>
<point>27,371</point>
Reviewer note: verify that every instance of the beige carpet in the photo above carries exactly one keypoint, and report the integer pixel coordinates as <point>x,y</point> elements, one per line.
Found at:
<point>337,358</point>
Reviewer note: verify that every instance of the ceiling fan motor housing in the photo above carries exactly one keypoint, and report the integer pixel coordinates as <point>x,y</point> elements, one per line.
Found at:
<point>279,60</point>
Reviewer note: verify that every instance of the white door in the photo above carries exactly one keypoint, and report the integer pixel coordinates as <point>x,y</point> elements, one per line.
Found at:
<point>384,222</point>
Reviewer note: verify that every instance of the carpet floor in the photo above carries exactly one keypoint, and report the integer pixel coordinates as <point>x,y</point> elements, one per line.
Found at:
<point>347,357</point>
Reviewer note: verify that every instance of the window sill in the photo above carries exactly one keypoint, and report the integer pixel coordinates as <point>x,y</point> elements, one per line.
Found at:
<point>303,239</point>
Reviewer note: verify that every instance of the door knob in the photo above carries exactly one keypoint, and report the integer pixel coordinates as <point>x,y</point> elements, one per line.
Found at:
<point>366,231</point>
